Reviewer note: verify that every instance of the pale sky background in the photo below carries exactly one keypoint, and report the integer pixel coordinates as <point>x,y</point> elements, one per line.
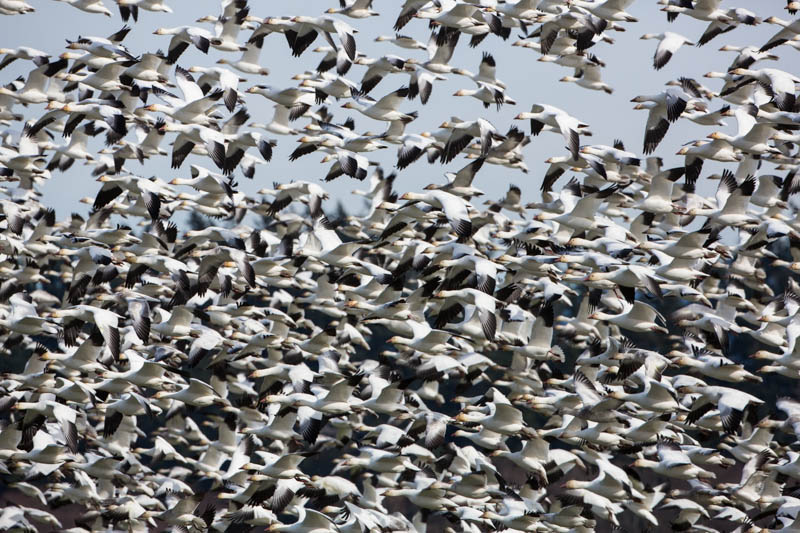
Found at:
<point>629,71</point>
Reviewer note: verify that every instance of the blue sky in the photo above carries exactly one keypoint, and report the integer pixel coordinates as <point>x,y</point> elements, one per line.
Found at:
<point>629,71</point>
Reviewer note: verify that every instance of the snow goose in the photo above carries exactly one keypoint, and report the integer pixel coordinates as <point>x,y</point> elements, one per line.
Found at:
<point>511,200</point>
<point>182,37</point>
<point>659,193</point>
<point>576,20</point>
<point>638,317</point>
<point>289,192</point>
<point>15,7</point>
<point>140,372</point>
<point>178,324</point>
<point>407,12</point>
<point>732,201</point>
<point>130,404</point>
<point>326,84</point>
<point>66,155</point>
<point>655,396</point>
<point>696,152</point>
<point>600,506</point>
<point>130,8</point>
<point>148,139</point>
<point>487,72</point>
<point>384,109</point>
<point>212,259</point>
<point>778,84</point>
<point>48,406</point>
<point>337,400</point>
<point>440,47</point>
<point>203,180</point>
<point>745,448</point>
<point>227,27</point>
<point>84,358</point>
<point>747,56</point>
<point>248,63</point>
<point>533,457</point>
<point>525,10</point>
<point>718,367</point>
<point>572,59</point>
<point>45,453</point>
<point>191,135</point>
<point>678,269</point>
<point>607,486</point>
<point>226,80</point>
<point>425,493</point>
<point>196,394</point>
<point>608,10</point>
<point>386,398</point>
<point>299,99</point>
<point>279,124</point>
<point>462,134</point>
<point>512,514</point>
<point>668,44</point>
<point>542,115</point>
<point>421,81</point>
<point>539,344</point>
<point>377,69</point>
<point>413,146</point>
<point>735,16</point>
<point>89,6</point>
<point>708,118</point>
<point>580,215</point>
<point>108,77</point>
<point>108,47</point>
<point>194,107</point>
<point>790,466</point>
<point>23,317</point>
<point>357,9</point>
<point>485,303</point>
<point>788,371</point>
<point>675,100</point>
<point>347,163</point>
<point>376,460</point>
<point>38,57</point>
<point>673,462</point>
<point>485,270</point>
<point>791,29</point>
<point>588,76</point>
<point>150,68</point>
<point>488,95</point>
<point>334,57</point>
<point>106,321</point>
<point>34,91</point>
<point>461,17</point>
<point>731,403</point>
<point>455,209</point>
<point>308,27</point>
<point>403,41</point>
<point>704,10</point>
<point>425,339</point>
<point>108,111</point>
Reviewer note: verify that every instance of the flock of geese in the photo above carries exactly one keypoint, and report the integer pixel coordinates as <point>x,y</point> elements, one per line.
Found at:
<point>609,357</point>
